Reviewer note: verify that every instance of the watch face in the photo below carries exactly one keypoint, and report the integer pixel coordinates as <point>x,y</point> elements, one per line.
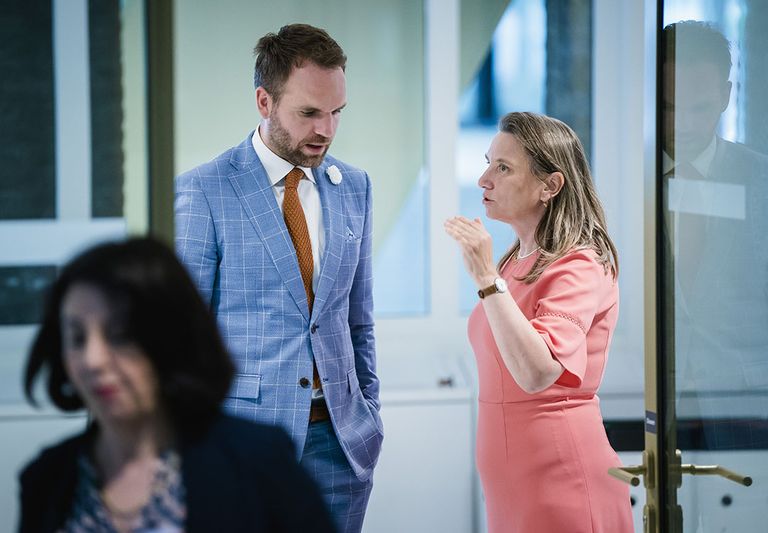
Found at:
<point>501,284</point>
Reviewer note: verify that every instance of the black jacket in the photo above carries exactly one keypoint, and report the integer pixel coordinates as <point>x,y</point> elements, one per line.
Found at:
<point>240,476</point>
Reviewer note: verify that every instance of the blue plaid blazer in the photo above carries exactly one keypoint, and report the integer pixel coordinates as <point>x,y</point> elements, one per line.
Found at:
<point>231,236</point>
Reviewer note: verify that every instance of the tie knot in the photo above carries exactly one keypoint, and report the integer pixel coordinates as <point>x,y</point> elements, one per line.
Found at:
<point>293,178</point>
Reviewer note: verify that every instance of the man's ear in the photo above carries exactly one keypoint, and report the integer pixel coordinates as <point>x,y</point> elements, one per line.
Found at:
<point>725,95</point>
<point>264,102</point>
<point>553,184</point>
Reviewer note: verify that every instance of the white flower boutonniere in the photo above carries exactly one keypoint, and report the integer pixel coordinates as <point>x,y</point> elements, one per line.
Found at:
<point>334,174</point>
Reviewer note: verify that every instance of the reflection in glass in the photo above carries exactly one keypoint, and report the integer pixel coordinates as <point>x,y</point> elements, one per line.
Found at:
<point>717,192</point>
<point>715,178</point>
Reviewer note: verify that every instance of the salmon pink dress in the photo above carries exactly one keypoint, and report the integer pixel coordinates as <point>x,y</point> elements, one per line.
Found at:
<point>543,458</point>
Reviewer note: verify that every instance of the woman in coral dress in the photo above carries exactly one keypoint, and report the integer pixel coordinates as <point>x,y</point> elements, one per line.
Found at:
<point>541,334</point>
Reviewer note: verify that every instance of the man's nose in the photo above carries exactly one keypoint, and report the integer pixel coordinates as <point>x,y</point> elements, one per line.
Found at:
<point>325,126</point>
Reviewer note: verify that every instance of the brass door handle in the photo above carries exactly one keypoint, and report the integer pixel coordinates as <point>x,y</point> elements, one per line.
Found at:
<point>709,470</point>
<point>631,474</point>
<point>716,470</point>
<point>628,474</point>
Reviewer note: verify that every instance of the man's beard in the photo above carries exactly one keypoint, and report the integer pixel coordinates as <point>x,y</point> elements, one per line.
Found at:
<point>281,142</point>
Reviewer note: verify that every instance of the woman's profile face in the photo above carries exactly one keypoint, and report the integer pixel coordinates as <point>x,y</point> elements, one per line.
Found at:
<point>511,192</point>
<point>111,373</point>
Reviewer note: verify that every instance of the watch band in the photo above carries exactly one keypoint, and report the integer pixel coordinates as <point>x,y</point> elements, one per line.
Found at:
<point>499,285</point>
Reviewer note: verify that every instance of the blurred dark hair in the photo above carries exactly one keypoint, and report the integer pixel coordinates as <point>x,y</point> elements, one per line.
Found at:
<point>695,42</point>
<point>147,286</point>
<point>278,53</point>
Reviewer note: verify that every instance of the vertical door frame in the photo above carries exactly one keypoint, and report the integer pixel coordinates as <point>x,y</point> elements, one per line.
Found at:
<point>655,511</point>
<point>160,111</point>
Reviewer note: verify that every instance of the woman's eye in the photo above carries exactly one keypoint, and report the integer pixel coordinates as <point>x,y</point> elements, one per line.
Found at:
<point>503,168</point>
<point>74,339</point>
<point>78,340</point>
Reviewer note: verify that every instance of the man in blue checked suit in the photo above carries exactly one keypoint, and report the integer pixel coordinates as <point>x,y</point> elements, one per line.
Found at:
<point>277,235</point>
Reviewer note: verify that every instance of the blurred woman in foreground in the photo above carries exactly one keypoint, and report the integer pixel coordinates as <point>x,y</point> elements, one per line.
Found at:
<point>126,336</point>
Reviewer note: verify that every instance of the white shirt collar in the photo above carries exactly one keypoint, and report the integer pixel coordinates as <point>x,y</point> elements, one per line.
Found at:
<point>701,162</point>
<point>277,167</point>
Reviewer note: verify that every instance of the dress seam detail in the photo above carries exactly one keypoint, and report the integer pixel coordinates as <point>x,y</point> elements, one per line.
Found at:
<point>570,318</point>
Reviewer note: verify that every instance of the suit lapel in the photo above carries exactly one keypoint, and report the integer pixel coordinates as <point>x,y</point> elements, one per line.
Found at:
<point>333,218</point>
<point>255,193</point>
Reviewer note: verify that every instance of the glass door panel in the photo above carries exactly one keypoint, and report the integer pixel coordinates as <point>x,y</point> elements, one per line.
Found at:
<point>714,271</point>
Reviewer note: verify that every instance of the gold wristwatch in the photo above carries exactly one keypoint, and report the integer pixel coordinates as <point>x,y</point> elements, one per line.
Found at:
<point>499,285</point>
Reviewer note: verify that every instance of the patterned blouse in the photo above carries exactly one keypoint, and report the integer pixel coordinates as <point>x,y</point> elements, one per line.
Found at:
<point>165,511</point>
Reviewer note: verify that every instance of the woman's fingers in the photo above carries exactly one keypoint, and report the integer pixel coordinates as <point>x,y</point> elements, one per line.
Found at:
<point>475,243</point>
<point>465,240</point>
<point>453,230</point>
<point>470,234</point>
<point>463,226</point>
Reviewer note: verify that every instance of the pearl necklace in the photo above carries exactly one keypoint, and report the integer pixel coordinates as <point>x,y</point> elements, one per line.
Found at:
<point>523,256</point>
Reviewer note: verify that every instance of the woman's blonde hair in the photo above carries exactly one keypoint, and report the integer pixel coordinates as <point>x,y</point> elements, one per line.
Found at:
<point>574,218</point>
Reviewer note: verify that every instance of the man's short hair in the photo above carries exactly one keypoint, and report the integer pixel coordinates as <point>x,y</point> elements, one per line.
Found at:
<point>278,53</point>
<point>695,42</point>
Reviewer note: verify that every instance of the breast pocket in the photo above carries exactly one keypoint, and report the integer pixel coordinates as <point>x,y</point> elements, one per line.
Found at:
<point>353,231</point>
<point>353,235</point>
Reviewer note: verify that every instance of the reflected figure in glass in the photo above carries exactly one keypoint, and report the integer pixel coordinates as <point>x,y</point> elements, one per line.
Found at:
<point>717,224</point>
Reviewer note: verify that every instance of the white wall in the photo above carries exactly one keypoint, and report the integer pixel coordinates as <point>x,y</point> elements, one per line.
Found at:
<point>618,85</point>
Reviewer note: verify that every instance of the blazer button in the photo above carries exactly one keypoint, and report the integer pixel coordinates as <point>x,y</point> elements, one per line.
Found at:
<point>304,382</point>
<point>313,328</point>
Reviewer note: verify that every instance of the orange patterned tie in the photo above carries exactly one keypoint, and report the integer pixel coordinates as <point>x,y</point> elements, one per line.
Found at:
<point>297,228</point>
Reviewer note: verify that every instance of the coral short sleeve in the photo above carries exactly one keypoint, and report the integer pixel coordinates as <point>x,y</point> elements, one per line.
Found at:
<point>569,293</point>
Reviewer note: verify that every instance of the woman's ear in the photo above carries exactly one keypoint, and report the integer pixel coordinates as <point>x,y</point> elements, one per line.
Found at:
<point>553,184</point>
